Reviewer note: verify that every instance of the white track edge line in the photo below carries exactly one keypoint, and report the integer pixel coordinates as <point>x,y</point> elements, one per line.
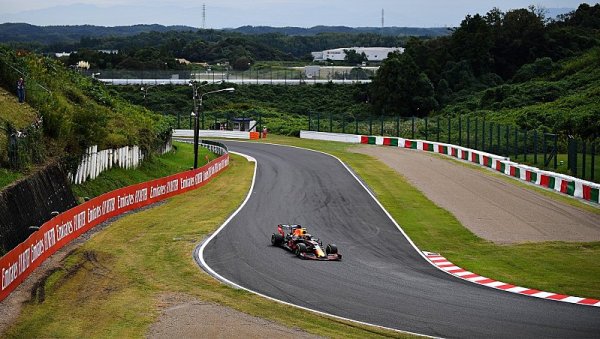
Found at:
<point>422,253</point>
<point>426,258</point>
<point>205,266</point>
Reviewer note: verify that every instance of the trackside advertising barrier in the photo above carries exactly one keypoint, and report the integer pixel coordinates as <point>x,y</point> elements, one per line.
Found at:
<point>569,185</point>
<point>17,264</point>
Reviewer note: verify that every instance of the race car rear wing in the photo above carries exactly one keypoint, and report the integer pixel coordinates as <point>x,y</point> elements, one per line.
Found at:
<point>287,228</point>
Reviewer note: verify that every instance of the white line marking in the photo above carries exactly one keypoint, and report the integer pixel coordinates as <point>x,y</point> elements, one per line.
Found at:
<point>573,300</point>
<point>517,289</point>
<point>460,274</point>
<point>495,284</point>
<point>543,294</point>
<point>231,283</point>
<point>449,268</point>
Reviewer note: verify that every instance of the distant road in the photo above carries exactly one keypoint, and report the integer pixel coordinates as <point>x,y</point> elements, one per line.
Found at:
<point>232,81</point>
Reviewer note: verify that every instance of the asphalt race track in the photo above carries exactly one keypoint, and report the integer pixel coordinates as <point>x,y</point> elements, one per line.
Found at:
<point>382,279</point>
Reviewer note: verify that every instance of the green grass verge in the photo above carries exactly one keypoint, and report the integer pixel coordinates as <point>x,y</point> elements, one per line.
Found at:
<point>569,268</point>
<point>179,160</point>
<point>111,286</point>
<point>562,163</point>
<point>19,116</point>
<point>7,177</point>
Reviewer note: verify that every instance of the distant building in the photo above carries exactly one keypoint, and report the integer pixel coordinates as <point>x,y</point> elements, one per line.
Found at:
<point>372,53</point>
<point>244,124</point>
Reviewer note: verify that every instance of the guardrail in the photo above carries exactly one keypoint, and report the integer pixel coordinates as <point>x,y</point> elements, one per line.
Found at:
<point>565,184</point>
<point>188,133</point>
<point>185,82</point>
<point>20,262</point>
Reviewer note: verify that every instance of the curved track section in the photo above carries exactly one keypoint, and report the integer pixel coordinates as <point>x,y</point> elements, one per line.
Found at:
<point>382,280</point>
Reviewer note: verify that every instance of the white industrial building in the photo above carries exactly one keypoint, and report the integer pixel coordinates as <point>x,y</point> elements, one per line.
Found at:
<point>372,53</point>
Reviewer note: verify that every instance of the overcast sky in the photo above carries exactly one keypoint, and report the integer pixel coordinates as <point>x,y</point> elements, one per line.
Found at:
<point>235,13</point>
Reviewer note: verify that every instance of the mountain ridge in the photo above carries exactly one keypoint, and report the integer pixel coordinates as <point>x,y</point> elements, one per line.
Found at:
<point>24,32</point>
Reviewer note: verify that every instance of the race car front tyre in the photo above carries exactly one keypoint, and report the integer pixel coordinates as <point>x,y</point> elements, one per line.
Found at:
<point>276,239</point>
<point>300,248</point>
<point>331,249</point>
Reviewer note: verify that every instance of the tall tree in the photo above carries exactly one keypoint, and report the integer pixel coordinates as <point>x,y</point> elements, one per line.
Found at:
<point>520,40</point>
<point>354,58</point>
<point>472,41</point>
<point>399,87</point>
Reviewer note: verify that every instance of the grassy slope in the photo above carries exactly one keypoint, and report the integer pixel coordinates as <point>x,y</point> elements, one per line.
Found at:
<point>111,285</point>
<point>565,100</point>
<point>77,111</point>
<point>20,116</point>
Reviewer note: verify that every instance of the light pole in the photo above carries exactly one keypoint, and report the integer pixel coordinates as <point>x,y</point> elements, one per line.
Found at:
<point>198,103</point>
<point>145,90</point>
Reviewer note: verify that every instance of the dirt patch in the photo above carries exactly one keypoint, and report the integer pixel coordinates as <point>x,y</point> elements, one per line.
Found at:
<point>184,316</point>
<point>489,206</point>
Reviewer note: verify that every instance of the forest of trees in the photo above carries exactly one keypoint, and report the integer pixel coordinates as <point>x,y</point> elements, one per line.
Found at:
<point>515,67</point>
<point>484,51</point>
<point>154,46</point>
<point>149,49</point>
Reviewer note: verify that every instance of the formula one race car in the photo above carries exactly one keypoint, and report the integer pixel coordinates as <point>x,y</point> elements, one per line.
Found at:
<point>295,239</point>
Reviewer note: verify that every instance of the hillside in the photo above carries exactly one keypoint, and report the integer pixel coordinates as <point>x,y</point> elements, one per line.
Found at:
<point>23,32</point>
<point>565,98</point>
<point>156,47</point>
<point>312,31</point>
<point>515,67</point>
<point>284,109</point>
<point>76,112</point>
<point>19,116</point>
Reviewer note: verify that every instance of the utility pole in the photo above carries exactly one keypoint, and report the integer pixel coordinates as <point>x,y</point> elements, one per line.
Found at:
<point>203,16</point>
<point>382,20</point>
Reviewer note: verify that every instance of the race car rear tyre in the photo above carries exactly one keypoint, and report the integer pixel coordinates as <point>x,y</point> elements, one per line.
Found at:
<point>276,239</point>
<point>300,248</point>
<point>331,249</point>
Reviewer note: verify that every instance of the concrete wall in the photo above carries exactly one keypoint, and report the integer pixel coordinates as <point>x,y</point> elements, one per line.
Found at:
<point>30,202</point>
<point>348,138</point>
